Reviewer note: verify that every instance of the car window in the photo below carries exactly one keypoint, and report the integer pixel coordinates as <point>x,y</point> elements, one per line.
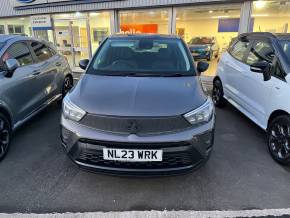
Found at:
<point>239,50</point>
<point>142,56</point>
<point>20,52</point>
<point>263,51</point>
<point>260,51</point>
<point>41,51</point>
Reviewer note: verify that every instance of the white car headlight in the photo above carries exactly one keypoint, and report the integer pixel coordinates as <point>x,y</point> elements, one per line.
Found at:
<point>208,48</point>
<point>202,114</point>
<point>71,111</point>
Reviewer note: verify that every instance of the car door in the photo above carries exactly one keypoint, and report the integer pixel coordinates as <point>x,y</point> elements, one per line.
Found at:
<point>19,91</point>
<point>233,67</point>
<point>255,92</point>
<point>47,66</point>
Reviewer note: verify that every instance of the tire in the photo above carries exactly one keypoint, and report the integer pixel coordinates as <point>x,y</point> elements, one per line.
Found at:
<point>218,94</point>
<point>278,139</point>
<point>5,136</point>
<point>66,86</point>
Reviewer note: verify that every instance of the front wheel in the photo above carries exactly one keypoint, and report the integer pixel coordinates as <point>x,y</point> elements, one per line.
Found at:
<point>279,139</point>
<point>67,85</point>
<point>209,57</point>
<point>218,94</point>
<point>5,136</point>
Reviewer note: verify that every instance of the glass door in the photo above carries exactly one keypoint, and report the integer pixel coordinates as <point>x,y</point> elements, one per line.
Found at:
<point>72,40</point>
<point>79,40</point>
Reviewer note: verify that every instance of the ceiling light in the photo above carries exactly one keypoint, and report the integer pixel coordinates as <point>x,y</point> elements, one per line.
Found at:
<point>94,14</point>
<point>260,4</point>
<point>260,15</point>
<point>218,17</point>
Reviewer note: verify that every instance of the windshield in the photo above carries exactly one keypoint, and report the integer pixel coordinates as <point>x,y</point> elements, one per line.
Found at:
<point>142,57</point>
<point>201,40</point>
<point>286,48</point>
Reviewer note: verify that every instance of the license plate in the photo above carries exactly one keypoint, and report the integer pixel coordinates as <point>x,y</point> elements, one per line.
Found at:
<point>132,155</point>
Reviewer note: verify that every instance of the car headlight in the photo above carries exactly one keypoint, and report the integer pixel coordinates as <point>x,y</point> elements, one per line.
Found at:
<point>202,114</point>
<point>71,111</point>
<point>207,48</point>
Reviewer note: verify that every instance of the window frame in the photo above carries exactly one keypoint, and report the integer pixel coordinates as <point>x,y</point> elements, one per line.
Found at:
<point>25,42</point>
<point>275,63</point>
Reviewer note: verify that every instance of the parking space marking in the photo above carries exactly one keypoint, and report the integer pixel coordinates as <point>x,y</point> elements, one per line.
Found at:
<point>157,214</point>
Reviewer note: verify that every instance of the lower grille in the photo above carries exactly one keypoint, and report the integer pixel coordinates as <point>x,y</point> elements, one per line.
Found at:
<point>175,155</point>
<point>173,160</point>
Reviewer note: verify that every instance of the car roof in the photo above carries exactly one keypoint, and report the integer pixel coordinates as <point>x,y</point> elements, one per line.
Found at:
<point>5,38</point>
<point>279,36</point>
<point>138,36</point>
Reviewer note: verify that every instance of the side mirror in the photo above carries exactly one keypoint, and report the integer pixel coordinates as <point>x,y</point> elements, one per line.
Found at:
<point>84,63</point>
<point>202,66</point>
<point>262,67</point>
<point>11,66</point>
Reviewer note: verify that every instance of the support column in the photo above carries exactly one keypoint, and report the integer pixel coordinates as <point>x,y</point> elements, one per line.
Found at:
<point>6,31</point>
<point>114,22</point>
<point>246,13</point>
<point>89,36</point>
<point>172,20</point>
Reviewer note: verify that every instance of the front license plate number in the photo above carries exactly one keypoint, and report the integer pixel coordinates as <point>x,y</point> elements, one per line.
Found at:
<point>132,155</point>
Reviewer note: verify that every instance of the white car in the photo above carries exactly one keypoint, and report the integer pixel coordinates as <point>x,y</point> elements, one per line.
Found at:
<point>254,76</point>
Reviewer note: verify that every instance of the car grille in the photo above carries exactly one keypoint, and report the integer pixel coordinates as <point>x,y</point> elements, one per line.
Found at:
<point>173,159</point>
<point>135,125</point>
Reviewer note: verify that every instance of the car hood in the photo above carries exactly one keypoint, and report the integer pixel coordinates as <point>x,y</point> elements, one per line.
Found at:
<point>138,96</point>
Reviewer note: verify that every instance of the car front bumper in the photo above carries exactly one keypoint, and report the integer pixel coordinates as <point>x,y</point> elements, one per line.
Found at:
<point>182,151</point>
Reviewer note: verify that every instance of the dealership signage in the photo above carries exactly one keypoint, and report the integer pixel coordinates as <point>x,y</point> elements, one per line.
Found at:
<point>41,22</point>
<point>139,28</point>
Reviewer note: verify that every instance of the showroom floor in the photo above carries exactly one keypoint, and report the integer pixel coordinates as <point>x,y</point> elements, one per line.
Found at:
<point>37,176</point>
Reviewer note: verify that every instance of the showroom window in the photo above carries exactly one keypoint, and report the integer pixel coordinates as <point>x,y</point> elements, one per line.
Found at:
<point>2,29</point>
<point>144,21</point>
<point>46,35</point>
<point>19,25</point>
<point>100,28</point>
<point>208,30</point>
<point>71,36</point>
<point>271,16</point>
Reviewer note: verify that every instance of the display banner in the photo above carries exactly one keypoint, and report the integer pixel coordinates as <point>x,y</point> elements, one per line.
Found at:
<point>139,28</point>
<point>41,22</point>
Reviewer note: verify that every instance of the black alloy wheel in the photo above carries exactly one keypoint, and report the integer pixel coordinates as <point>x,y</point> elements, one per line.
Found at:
<point>218,94</point>
<point>279,139</point>
<point>67,85</point>
<point>5,135</point>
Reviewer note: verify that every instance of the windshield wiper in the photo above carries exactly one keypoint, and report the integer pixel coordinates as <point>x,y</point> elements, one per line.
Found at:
<point>175,75</point>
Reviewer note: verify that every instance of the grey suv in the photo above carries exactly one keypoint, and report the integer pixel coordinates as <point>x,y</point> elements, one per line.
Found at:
<point>32,75</point>
<point>139,109</point>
